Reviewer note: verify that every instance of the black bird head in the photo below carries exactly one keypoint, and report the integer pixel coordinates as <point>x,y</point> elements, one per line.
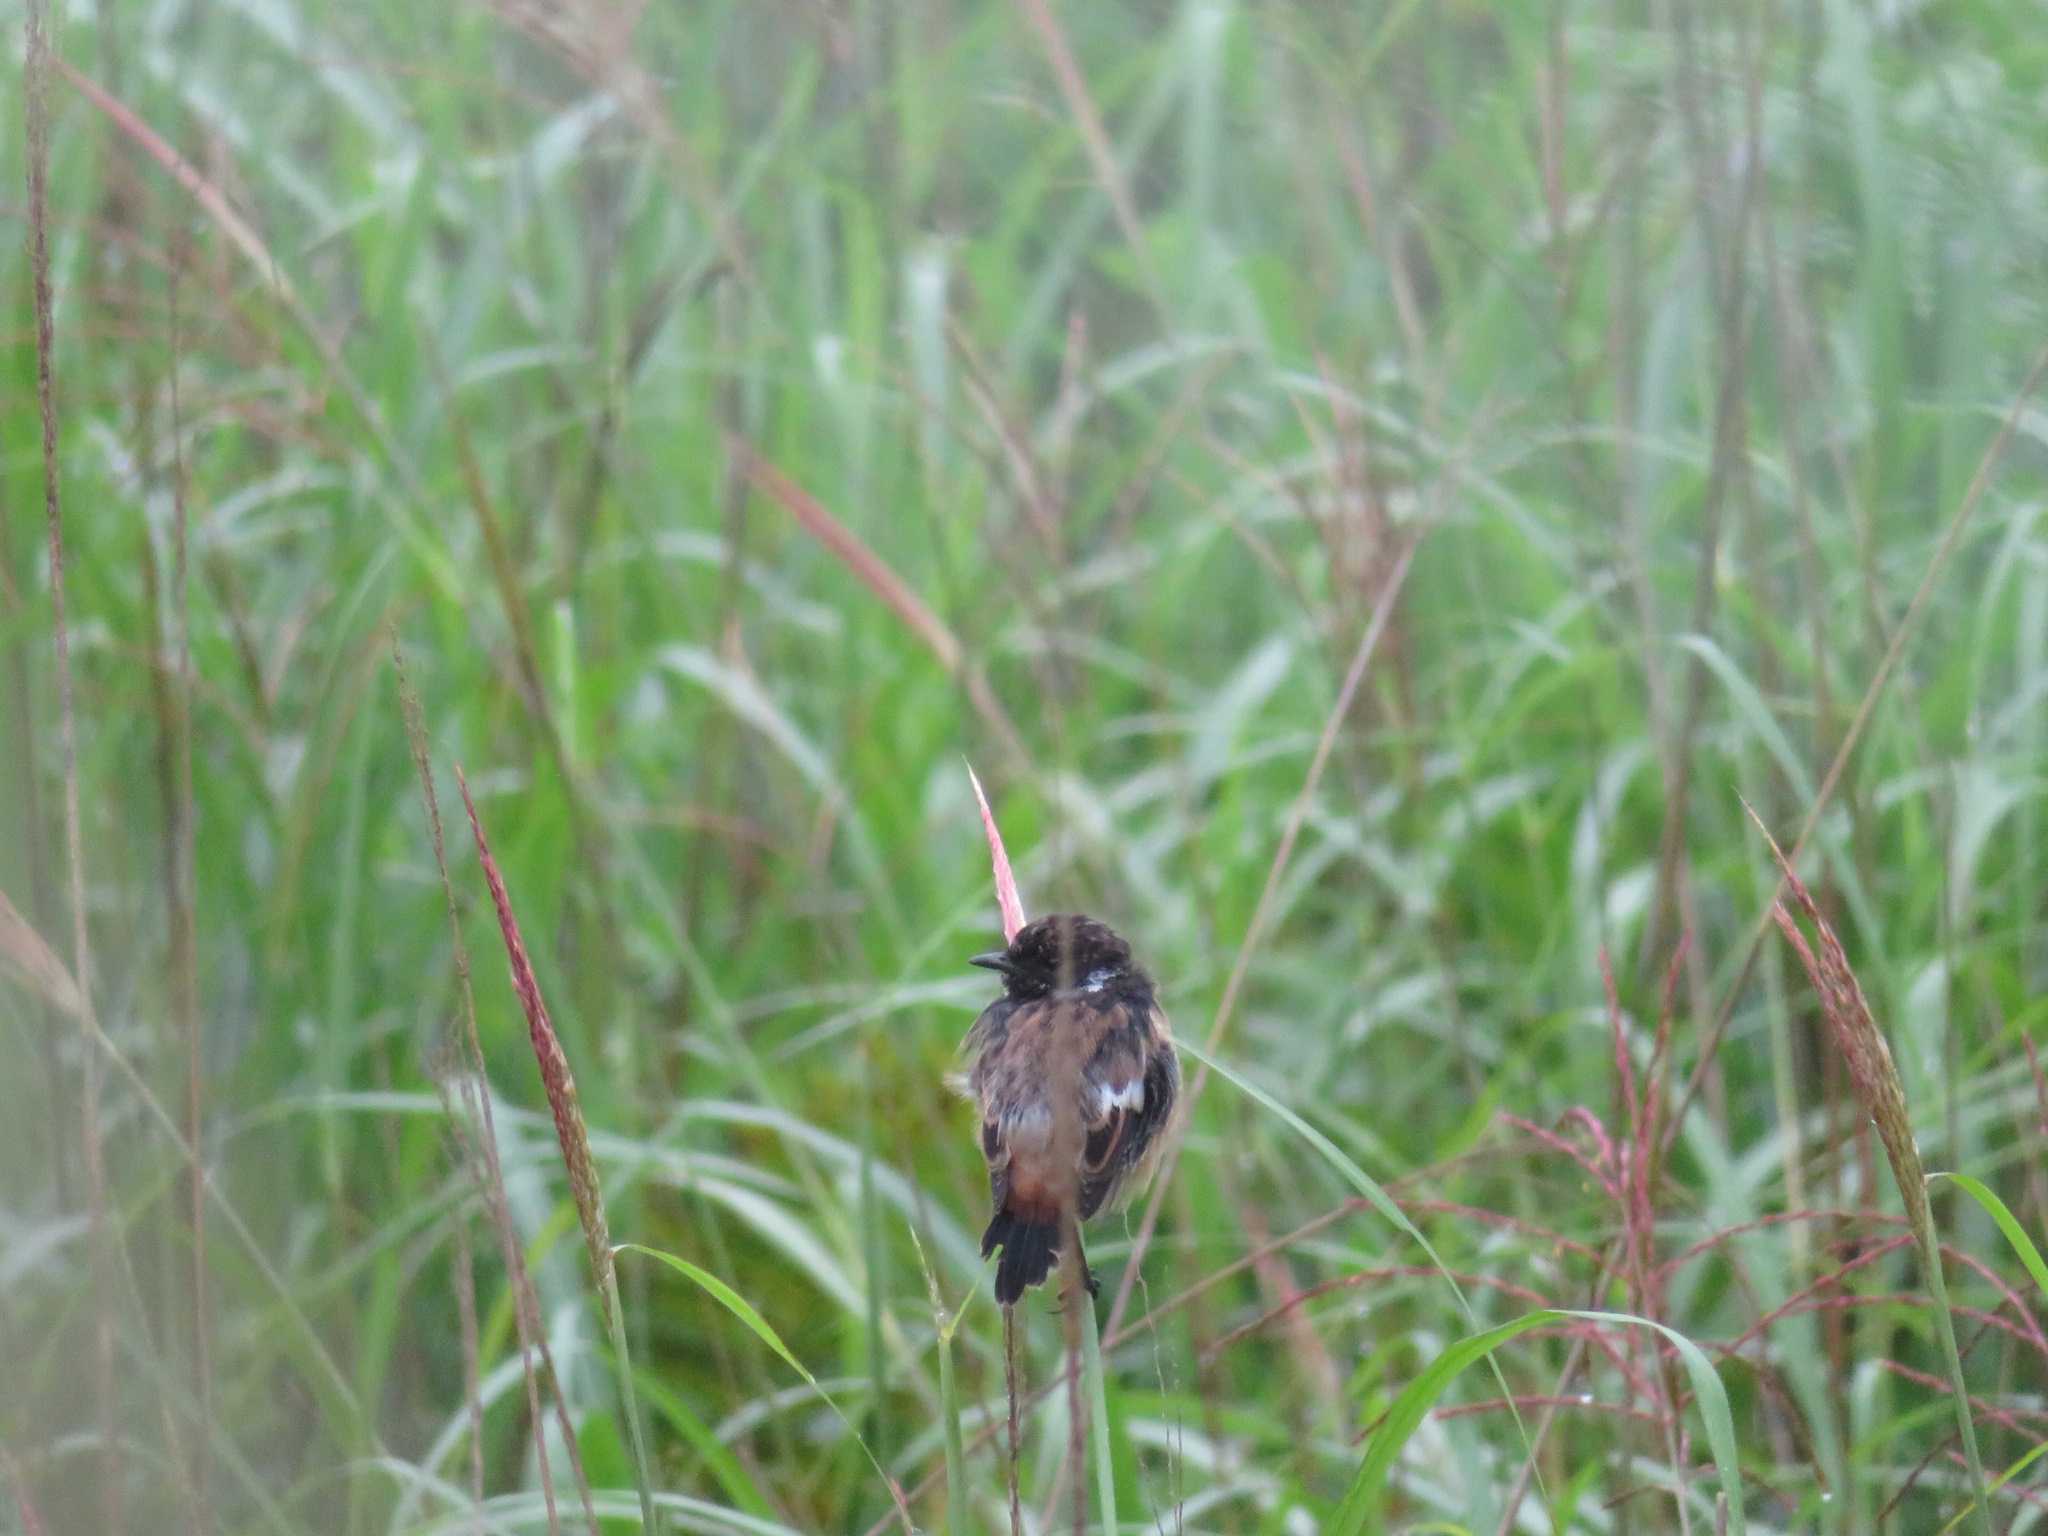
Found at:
<point>1062,953</point>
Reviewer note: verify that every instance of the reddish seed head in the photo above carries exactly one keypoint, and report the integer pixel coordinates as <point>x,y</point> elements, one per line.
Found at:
<point>555,1076</point>
<point>1008,902</point>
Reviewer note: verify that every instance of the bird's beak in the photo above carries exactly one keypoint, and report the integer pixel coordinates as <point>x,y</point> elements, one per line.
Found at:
<point>994,960</point>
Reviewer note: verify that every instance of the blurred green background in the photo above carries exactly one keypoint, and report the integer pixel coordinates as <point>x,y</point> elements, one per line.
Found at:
<point>742,414</point>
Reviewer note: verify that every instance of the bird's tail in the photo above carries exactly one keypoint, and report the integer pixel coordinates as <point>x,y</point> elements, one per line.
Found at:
<point>1031,1247</point>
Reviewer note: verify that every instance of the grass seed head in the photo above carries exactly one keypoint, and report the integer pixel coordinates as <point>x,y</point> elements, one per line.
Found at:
<point>1008,902</point>
<point>1873,1076</point>
<point>556,1079</point>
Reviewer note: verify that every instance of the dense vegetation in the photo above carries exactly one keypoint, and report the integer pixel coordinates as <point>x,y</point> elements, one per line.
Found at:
<point>1372,489</point>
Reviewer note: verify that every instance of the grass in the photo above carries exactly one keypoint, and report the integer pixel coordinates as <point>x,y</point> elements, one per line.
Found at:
<point>1373,491</point>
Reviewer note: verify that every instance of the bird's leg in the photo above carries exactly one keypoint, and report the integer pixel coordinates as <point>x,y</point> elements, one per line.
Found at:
<point>1077,1267</point>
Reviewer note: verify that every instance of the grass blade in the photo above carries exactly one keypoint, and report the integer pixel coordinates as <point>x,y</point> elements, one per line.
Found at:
<point>1999,1482</point>
<point>643,1476</point>
<point>1362,1501</point>
<point>1363,1498</point>
<point>2009,1224</point>
<point>1357,1177</point>
<point>1369,1188</point>
<point>1098,1412</point>
<point>758,1325</point>
<point>943,1329</point>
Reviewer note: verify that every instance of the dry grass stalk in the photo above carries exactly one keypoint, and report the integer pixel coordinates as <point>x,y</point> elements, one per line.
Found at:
<point>505,575</point>
<point>874,573</point>
<point>40,61</point>
<point>1011,1395</point>
<point>184,919</point>
<point>851,551</point>
<point>1951,539</point>
<point>30,961</point>
<point>1262,912</point>
<point>446,1070</point>
<point>2037,1178</point>
<point>1011,906</point>
<point>209,197</point>
<point>1076,1313</point>
<point>217,206</point>
<point>1094,135</point>
<point>1287,1304</point>
<point>20,732</point>
<point>472,1373</point>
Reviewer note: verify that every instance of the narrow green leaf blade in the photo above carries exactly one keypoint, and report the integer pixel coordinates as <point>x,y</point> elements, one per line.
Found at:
<point>732,1301</point>
<point>743,1309</point>
<point>2009,1224</point>
<point>1711,1398</point>
<point>1363,1499</point>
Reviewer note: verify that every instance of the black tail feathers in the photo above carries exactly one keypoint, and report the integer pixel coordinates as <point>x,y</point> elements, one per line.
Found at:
<point>1031,1249</point>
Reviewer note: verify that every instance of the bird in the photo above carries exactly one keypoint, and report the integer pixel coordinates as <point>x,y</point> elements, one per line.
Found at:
<point>1074,1070</point>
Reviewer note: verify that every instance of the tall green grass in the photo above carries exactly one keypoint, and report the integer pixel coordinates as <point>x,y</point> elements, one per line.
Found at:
<point>744,411</point>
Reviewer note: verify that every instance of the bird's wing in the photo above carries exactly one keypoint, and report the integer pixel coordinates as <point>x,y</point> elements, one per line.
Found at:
<point>1127,1096</point>
<point>1001,1047</point>
<point>986,1036</point>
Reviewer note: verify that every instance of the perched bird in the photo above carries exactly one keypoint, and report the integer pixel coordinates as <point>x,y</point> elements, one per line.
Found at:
<point>1074,1070</point>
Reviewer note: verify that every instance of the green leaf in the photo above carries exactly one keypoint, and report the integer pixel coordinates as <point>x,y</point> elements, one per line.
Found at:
<point>2009,1224</point>
<point>1363,1498</point>
<point>1098,1400</point>
<point>1362,1501</point>
<point>1376,1197</point>
<point>1711,1398</point>
<point>1999,1482</point>
<point>1357,1177</point>
<point>743,1309</point>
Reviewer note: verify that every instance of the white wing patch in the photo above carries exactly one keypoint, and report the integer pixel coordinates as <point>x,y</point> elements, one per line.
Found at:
<point>1130,1096</point>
